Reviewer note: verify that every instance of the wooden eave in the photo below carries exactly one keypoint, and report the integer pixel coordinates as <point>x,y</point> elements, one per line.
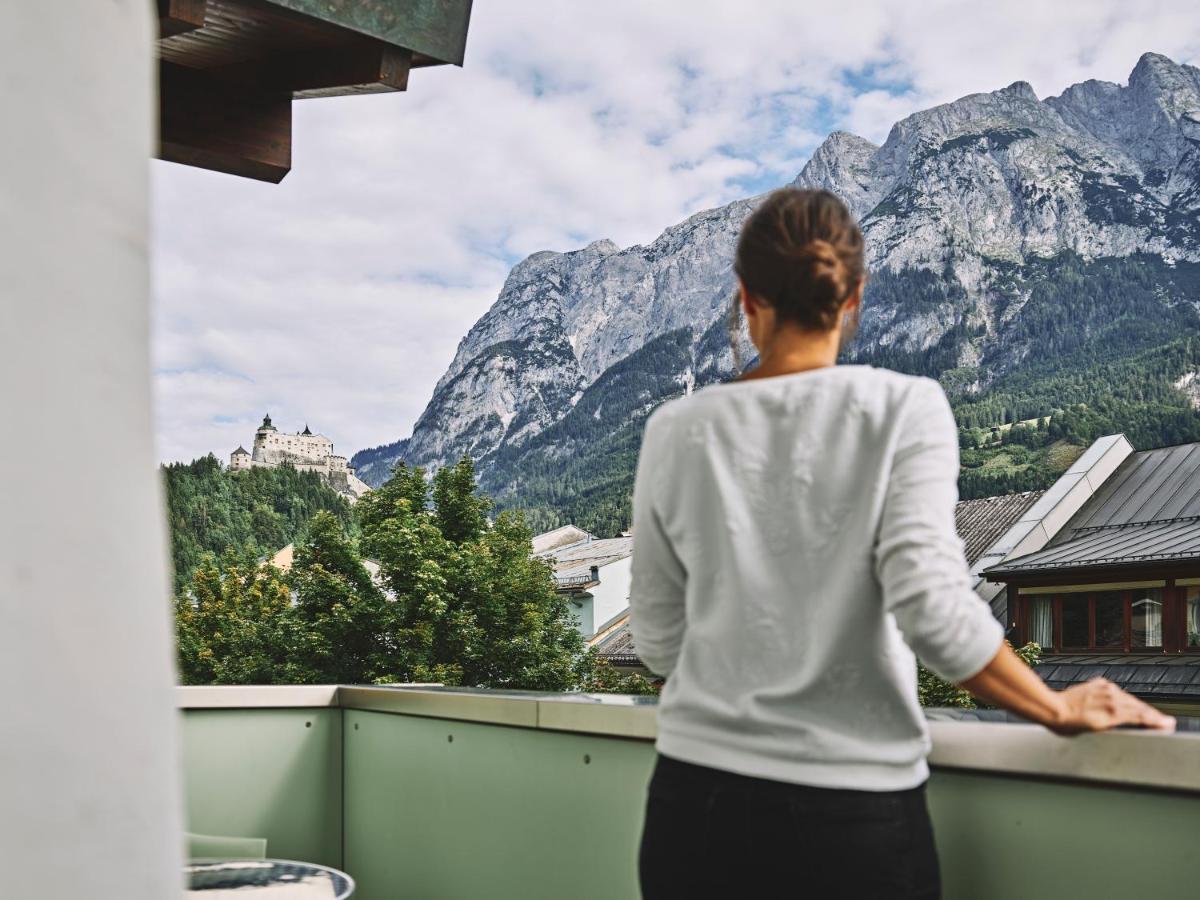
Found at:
<point>230,69</point>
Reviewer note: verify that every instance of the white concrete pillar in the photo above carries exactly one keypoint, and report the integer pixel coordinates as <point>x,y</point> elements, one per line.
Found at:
<point>89,797</point>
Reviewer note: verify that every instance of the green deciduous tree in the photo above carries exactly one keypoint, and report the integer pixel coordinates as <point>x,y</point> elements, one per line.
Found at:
<point>453,598</point>
<point>932,691</point>
<point>232,622</point>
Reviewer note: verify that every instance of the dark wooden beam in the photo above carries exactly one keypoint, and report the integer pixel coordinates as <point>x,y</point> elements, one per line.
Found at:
<point>180,16</point>
<point>207,122</point>
<point>359,68</point>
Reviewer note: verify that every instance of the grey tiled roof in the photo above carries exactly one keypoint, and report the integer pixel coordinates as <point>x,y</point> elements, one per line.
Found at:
<point>577,559</point>
<point>1152,677</point>
<point>1147,510</point>
<point>618,647</point>
<point>980,523</point>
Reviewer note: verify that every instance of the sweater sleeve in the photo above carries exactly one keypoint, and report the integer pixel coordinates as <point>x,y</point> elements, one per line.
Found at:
<point>656,596</point>
<point>918,555</point>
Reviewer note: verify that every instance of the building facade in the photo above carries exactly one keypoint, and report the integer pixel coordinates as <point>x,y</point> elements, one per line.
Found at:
<point>304,451</point>
<point>594,573</point>
<point>1116,592</point>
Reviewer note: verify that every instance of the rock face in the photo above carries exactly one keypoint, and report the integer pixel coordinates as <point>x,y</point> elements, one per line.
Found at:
<point>966,209</point>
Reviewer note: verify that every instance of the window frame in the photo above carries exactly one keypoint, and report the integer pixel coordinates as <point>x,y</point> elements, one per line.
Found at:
<point>1174,622</point>
<point>1179,618</point>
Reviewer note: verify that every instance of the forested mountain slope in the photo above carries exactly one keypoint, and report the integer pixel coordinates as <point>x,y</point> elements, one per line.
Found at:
<point>258,510</point>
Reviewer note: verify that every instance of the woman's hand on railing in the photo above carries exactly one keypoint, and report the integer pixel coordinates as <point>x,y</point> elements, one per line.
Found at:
<point>1099,705</point>
<point>1095,705</point>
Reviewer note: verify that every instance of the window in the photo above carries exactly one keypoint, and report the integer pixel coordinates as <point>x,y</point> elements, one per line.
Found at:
<point>1075,620</point>
<point>1145,619</point>
<point>1041,621</point>
<point>1113,620</point>
<point>1110,619</point>
<point>1192,605</point>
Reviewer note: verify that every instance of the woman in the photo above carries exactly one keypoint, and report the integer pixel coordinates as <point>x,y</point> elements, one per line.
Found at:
<point>794,546</point>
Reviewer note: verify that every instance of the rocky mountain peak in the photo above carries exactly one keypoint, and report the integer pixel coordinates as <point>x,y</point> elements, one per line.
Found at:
<point>965,207</point>
<point>842,165</point>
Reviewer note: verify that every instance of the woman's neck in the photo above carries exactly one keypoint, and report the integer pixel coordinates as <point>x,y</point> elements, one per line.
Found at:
<point>793,350</point>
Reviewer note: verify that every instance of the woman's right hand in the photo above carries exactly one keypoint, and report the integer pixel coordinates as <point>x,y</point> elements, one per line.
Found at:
<point>1095,705</point>
<point>1099,705</point>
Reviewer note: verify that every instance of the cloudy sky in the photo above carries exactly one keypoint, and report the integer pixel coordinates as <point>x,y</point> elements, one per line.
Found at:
<point>337,297</point>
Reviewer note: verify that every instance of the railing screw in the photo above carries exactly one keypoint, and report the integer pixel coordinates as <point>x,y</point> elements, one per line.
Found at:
<point>308,724</point>
<point>449,739</point>
<point>356,726</point>
<point>587,759</point>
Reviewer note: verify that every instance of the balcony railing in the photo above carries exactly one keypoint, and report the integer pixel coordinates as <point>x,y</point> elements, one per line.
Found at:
<point>574,581</point>
<point>444,793</point>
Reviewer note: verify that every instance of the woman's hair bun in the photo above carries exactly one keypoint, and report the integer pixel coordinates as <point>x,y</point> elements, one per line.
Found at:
<point>801,252</point>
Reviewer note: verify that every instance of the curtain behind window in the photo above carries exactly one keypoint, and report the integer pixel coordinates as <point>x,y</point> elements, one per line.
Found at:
<point>1041,621</point>
<point>1193,617</point>
<point>1145,619</point>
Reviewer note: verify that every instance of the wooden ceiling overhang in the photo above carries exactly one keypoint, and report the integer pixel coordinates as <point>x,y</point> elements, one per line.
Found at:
<point>229,69</point>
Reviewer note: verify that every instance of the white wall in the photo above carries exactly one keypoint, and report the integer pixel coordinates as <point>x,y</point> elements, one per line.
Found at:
<point>611,595</point>
<point>89,799</point>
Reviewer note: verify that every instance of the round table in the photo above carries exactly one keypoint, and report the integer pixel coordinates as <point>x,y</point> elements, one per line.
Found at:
<point>268,879</point>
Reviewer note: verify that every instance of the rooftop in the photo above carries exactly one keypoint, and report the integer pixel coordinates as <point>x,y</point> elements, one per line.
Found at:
<point>1148,510</point>
<point>576,559</point>
<point>980,523</point>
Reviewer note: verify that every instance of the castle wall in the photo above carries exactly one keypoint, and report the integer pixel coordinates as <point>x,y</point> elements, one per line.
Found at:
<point>306,453</point>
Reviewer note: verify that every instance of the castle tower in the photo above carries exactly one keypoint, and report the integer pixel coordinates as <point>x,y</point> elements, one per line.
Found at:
<point>239,459</point>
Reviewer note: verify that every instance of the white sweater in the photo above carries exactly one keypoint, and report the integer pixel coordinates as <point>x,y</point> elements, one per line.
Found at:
<point>793,537</point>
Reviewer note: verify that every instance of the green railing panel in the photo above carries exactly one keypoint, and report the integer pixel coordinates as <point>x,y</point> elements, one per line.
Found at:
<point>1001,837</point>
<point>437,808</point>
<point>496,812</point>
<point>273,773</point>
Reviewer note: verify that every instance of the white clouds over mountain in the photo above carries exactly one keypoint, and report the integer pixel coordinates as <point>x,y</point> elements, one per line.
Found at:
<point>338,297</point>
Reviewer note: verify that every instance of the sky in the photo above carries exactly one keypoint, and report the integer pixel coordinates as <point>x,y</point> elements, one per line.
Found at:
<point>337,298</point>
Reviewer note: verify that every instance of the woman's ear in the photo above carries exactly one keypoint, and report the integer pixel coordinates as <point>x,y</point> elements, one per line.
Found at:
<point>854,301</point>
<point>749,304</point>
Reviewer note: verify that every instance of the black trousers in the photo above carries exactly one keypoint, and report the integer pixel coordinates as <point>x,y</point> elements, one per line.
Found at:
<point>711,833</point>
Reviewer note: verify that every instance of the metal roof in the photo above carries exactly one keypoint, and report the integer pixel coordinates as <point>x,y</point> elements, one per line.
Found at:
<point>1147,510</point>
<point>1117,545</point>
<point>1151,677</point>
<point>576,560</point>
<point>1149,486</point>
<point>980,523</point>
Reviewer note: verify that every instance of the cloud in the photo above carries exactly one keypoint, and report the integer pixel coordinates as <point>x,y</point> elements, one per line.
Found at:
<point>337,298</point>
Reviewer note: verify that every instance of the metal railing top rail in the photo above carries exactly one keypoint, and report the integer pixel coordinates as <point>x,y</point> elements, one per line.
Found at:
<point>1127,758</point>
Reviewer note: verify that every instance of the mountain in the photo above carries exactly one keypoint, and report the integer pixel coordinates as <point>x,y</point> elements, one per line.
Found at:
<point>1040,257</point>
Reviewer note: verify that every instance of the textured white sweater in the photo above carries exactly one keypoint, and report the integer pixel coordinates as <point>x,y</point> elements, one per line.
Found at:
<point>793,538</point>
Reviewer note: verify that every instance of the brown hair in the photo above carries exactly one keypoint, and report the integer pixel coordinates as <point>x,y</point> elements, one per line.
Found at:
<point>801,252</point>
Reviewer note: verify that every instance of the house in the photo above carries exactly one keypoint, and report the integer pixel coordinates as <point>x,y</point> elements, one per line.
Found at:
<point>1115,592</point>
<point>593,572</point>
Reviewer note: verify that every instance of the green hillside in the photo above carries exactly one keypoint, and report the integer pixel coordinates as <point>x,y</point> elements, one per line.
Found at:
<point>211,510</point>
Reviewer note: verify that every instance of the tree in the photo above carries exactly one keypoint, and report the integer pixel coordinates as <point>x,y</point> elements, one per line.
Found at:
<point>474,606</point>
<point>456,600</point>
<point>232,623</point>
<point>343,619</point>
<point>934,692</point>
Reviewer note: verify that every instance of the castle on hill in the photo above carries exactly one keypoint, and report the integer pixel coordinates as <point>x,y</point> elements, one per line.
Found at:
<point>304,451</point>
